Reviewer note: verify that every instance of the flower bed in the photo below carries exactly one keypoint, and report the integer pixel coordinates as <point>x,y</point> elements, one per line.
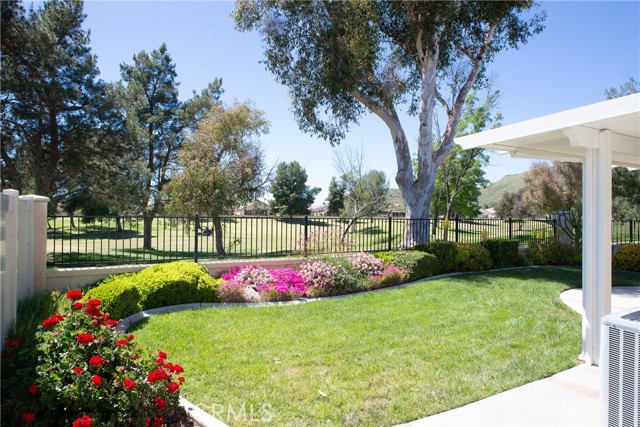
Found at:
<point>81,373</point>
<point>332,276</point>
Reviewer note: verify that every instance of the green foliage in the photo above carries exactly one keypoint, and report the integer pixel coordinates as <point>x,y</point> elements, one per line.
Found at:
<point>57,117</point>
<point>222,166</point>
<point>157,121</point>
<point>504,253</point>
<point>420,264</point>
<point>626,193</point>
<point>335,198</point>
<point>85,370</point>
<point>445,252</point>
<point>291,195</point>
<point>472,258</point>
<point>554,253</point>
<point>181,282</point>
<point>553,187</point>
<point>627,258</point>
<point>629,87</point>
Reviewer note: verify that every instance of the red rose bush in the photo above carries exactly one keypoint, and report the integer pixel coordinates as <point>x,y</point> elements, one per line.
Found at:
<point>87,375</point>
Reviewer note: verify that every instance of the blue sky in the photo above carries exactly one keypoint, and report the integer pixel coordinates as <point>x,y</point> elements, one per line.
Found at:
<point>585,48</point>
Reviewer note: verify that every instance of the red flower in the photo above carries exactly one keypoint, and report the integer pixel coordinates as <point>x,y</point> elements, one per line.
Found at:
<point>155,422</point>
<point>111,323</point>
<point>157,375</point>
<point>177,369</point>
<point>53,320</point>
<point>173,387</point>
<point>134,357</point>
<point>181,379</point>
<point>77,371</point>
<point>159,360</point>
<point>92,311</point>
<point>74,294</point>
<point>96,361</point>
<point>122,342</point>
<point>162,354</point>
<point>160,403</point>
<point>93,303</point>
<point>96,380</point>
<point>33,388</point>
<point>77,305</point>
<point>129,385</point>
<point>13,342</point>
<point>28,417</point>
<point>84,421</point>
<point>84,339</point>
<point>130,337</point>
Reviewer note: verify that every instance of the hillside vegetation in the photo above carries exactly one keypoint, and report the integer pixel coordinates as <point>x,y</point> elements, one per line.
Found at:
<point>490,196</point>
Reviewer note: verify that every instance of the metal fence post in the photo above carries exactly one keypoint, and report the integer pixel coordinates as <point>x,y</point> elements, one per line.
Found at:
<point>630,231</point>
<point>195,236</point>
<point>457,218</point>
<point>306,234</point>
<point>510,229</point>
<point>390,234</point>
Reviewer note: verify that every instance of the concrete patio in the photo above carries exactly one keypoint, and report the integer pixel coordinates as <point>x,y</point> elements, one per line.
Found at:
<point>569,398</point>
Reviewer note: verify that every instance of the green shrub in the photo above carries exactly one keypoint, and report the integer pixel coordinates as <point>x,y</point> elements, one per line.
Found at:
<point>445,252</point>
<point>504,253</point>
<point>554,253</point>
<point>627,258</point>
<point>181,282</point>
<point>420,264</point>
<point>472,258</point>
<point>85,374</point>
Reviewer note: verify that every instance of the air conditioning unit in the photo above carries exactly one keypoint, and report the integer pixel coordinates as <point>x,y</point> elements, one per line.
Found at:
<point>620,369</point>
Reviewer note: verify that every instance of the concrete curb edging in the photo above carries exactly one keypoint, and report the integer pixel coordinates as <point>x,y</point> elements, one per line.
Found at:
<point>200,417</point>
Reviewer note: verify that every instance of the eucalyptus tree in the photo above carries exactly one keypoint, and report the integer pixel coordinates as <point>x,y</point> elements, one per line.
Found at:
<point>158,122</point>
<point>341,59</point>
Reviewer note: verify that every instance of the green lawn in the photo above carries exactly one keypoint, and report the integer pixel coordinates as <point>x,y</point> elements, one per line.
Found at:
<point>375,359</point>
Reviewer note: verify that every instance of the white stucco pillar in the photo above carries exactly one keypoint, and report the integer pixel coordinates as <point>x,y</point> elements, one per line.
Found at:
<point>588,253</point>
<point>8,260</point>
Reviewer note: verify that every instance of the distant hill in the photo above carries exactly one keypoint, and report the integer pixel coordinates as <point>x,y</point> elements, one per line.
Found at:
<point>490,196</point>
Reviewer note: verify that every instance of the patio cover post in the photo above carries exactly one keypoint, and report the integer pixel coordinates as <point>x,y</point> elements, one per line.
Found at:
<point>596,236</point>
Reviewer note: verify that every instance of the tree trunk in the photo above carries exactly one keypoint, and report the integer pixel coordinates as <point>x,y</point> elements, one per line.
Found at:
<point>118,224</point>
<point>217,226</point>
<point>148,228</point>
<point>447,215</point>
<point>346,230</point>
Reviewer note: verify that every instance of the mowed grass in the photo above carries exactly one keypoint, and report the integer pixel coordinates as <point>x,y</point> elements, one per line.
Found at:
<point>375,359</point>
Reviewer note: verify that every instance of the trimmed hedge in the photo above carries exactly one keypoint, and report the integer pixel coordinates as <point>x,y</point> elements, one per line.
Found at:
<point>504,253</point>
<point>627,258</point>
<point>472,258</point>
<point>554,253</point>
<point>420,264</point>
<point>181,282</point>
<point>445,252</point>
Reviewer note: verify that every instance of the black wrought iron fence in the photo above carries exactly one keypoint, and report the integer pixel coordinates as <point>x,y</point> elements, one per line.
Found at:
<point>88,240</point>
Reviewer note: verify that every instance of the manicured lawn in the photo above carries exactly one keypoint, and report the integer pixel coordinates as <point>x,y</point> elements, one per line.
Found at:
<point>375,359</point>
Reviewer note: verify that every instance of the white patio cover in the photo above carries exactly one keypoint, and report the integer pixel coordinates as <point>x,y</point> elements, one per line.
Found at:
<point>599,136</point>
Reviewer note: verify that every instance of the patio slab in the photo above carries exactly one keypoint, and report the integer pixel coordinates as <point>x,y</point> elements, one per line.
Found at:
<point>569,398</point>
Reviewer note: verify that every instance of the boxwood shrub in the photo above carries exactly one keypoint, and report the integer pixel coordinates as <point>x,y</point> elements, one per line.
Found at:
<point>420,264</point>
<point>472,258</point>
<point>160,285</point>
<point>627,258</point>
<point>504,253</point>
<point>554,253</point>
<point>445,252</point>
